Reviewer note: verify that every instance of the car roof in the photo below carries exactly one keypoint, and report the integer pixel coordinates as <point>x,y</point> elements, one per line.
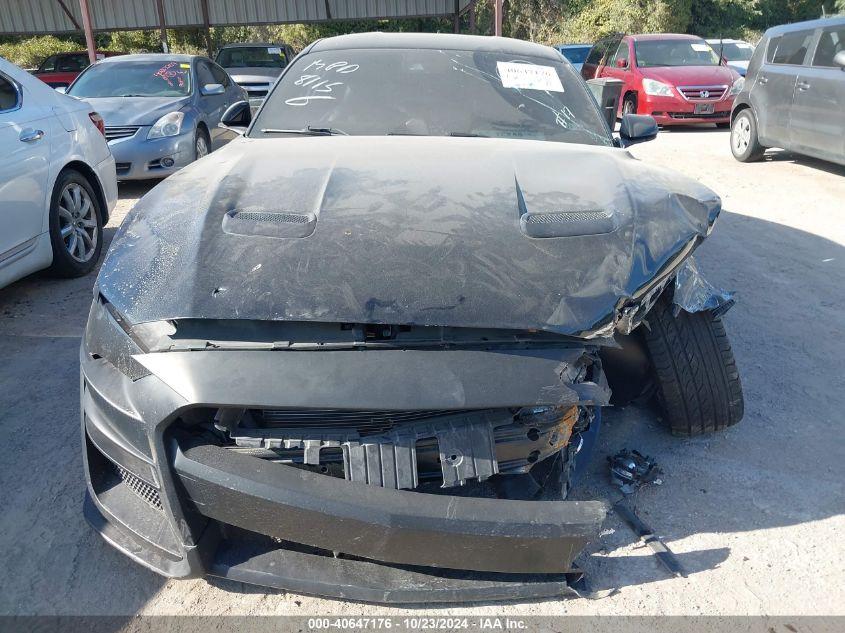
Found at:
<point>150,57</point>
<point>435,41</point>
<point>251,44</point>
<point>648,37</point>
<point>726,40</point>
<point>809,24</point>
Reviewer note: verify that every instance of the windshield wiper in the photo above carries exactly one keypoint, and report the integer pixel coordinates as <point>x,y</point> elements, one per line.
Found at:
<point>307,131</point>
<point>468,134</point>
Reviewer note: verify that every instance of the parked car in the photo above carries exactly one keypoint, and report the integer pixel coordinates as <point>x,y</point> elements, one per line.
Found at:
<point>373,327</point>
<point>736,53</point>
<point>59,70</point>
<point>575,53</point>
<point>57,179</point>
<point>677,79</point>
<point>161,111</point>
<point>255,66</point>
<point>794,93</point>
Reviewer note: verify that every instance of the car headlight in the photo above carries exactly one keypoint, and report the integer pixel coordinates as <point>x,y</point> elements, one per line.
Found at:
<point>657,88</point>
<point>168,125</point>
<point>737,87</point>
<point>107,337</point>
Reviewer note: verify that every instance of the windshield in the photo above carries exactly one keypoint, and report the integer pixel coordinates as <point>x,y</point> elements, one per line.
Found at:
<point>252,57</point>
<point>575,54</point>
<point>675,53</point>
<point>159,78</point>
<point>377,92</point>
<point>735,52</point>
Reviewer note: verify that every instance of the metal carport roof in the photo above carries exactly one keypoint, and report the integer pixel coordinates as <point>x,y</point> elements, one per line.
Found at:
<point>31,17</point>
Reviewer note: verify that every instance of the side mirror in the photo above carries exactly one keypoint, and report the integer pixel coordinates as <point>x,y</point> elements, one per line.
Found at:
<point>60,89</point>
<point>839,59</point>
<point>237,117</point>
<point>621,63</point>
<point>637,128</point>
<point>212,89</point>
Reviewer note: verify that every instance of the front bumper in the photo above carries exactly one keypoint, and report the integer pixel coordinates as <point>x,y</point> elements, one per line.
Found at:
<point>139,158</point>
<point>187,509</point>
<point>679,111</point>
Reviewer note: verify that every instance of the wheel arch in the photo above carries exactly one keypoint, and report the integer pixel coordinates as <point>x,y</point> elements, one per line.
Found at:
<point>93,179</point>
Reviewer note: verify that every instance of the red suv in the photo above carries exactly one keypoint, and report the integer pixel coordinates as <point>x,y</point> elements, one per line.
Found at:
<point>59,71</point>
<point>677,79</point>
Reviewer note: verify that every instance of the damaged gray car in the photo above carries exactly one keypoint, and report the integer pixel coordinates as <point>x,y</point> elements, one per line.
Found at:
<point>362,350</point>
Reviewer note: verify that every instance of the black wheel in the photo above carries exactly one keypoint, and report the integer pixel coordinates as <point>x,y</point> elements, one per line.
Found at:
<point>745,145</point>
<point>76,226</point>
<point>698,386</point>
<point>202,145</point>
<point>629,104</point>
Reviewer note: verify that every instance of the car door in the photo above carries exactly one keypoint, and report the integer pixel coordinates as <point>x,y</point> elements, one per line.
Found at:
<point>817,120</point>
<point>775,83</point>
<point>24,164</point>
<point>592,65</point>
<point>606,67</point>
<point>212,106</point>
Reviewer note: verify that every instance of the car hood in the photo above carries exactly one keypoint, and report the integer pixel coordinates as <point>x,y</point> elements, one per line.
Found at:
<point>691,75</point>
<point>135,110</point>
<point>254,75</point>
<point>459,232</point>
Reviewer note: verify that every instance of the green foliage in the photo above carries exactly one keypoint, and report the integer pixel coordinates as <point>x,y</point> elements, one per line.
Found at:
<point>30,52</point>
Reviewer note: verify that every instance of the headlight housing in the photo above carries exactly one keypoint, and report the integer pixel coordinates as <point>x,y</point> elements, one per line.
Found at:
<point>168,125</point>
<point>657,88</point>
<point>107,337</point>
<point>737,87</point>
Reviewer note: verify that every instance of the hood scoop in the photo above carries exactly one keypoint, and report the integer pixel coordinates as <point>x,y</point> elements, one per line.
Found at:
<point>278,224</point>
<point>567,223</point>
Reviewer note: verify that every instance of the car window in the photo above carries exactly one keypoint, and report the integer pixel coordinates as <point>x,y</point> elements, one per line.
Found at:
<point>598,51</point>
<point>134,78</point>
<point>576,55</point>
<point>72,63</point>
<point>832,41</point>
<point>48,65</point>
<point>252,57</point>
<point>9,96</point>
<point>735,51</point>
<point>772,47</point>
<point>204,74</point>
<point>220,75</point>
<point>378,92</point>
<point>792,48</point>
<point>651,53</point>
<point>621,53</point>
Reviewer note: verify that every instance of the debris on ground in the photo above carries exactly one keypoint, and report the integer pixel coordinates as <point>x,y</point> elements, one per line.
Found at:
<point>631,470</point>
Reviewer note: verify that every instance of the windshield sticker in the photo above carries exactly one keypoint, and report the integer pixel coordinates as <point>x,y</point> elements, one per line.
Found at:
<point>174,76</point>
<point>529,77</point>
<point>701,48</point>
<point>321,81</point>
<point>274,51</point>
<point>184,65</point>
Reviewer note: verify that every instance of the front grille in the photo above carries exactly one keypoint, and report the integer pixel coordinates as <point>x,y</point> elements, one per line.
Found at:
<point>140,487</point>
<point>256,89</point>
<point>364,422</point>
<point>696,93</point>
<point>692,115</point>
<point>115,133</point>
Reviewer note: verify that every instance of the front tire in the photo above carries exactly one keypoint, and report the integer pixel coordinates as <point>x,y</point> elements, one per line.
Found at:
<point>629,104</point>
<point>698,385</point>
<point>745,144</point>
<point>202,145</point>
<point>76,225</point>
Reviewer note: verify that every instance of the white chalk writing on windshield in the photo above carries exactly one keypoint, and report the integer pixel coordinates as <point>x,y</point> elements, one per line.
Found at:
<point>319,81</point>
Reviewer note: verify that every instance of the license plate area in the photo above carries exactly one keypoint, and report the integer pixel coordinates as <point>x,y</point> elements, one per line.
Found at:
<point>705,108</point>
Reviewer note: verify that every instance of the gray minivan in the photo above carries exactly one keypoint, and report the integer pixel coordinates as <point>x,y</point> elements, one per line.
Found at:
<point>794,93</point>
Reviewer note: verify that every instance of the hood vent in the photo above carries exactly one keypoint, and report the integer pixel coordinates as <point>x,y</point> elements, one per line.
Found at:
<point>279,224</point>
<point>568,223</point>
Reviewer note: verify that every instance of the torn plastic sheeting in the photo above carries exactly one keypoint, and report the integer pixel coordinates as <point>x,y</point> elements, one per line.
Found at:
<point>694,293</point>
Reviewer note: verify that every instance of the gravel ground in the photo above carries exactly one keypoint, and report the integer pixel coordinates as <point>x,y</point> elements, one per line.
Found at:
<point>754,513</point>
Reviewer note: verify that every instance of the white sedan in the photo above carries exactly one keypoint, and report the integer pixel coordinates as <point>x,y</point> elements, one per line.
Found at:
<point>57,179</point>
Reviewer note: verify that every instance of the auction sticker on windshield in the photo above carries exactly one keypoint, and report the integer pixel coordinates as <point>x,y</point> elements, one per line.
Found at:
<point>529,77</point>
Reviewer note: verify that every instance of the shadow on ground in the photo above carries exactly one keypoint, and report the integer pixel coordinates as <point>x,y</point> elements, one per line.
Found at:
<point>780,467</point>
